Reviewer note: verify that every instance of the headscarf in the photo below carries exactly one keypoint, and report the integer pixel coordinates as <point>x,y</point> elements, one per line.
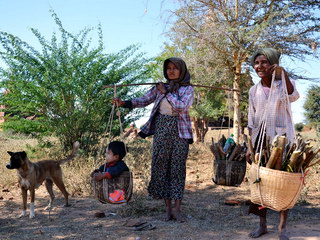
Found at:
<point>184,79</point>
<point>271,54</point>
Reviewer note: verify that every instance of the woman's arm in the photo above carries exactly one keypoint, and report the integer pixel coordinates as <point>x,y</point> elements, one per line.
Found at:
<point>278,69</point>
<point>290,87</point>
<point>148,98</point>
<point>181,102</point>
<point>143,101</point>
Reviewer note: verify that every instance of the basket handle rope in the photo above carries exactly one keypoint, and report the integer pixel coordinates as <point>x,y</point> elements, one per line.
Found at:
<point>110,120</point>
<point>223,114</point>
<point>264,121</point>
<point>109,129</point>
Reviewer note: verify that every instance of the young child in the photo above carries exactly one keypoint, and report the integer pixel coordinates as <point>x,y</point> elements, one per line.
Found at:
<point>114,165</point>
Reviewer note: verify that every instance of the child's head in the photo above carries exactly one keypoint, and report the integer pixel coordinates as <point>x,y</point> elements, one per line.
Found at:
<point>116,151</point>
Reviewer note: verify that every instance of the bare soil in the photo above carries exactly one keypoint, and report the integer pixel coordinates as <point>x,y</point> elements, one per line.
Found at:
<point>207,215</point>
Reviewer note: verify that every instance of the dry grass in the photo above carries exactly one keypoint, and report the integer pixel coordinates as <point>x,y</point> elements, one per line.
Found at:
<point>77,172</point>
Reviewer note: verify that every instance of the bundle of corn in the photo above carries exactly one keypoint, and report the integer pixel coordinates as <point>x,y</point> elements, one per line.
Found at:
<point>291,158</point>
<point>227,149</point>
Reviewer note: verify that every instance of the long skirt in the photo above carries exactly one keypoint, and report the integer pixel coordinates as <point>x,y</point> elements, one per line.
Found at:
<point>169,156</point>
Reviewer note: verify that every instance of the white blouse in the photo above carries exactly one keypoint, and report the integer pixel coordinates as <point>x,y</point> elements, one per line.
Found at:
<point>166,108</point>
<point>278,116</point>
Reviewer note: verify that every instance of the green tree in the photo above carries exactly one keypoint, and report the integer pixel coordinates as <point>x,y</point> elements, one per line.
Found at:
<point>298,127</point>
<point>222,35</point>
<point>63,84</point>
<point>312,107</point>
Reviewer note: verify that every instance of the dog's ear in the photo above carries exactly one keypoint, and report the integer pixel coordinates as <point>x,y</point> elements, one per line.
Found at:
<point>23,154</point>
<point>10,153</point>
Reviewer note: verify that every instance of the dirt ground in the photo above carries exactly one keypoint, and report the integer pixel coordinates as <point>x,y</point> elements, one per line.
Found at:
<point>208,217</point>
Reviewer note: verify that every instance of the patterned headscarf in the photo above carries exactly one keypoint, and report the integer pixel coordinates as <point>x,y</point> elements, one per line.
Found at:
<point>184,79</point>
<point>271,54</point>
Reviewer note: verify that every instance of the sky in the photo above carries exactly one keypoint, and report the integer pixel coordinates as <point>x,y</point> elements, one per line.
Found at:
<point>124,22</point>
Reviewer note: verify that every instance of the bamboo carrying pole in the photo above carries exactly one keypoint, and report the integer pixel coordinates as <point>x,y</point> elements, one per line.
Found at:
<point>193,85</point>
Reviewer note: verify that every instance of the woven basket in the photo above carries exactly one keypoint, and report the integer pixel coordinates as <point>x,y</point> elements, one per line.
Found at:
<point>277,190</point>
<point>228,173</point>
<point>102,189</point>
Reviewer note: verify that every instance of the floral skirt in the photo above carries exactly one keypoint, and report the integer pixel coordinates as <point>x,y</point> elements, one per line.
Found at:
<point>169,156</point>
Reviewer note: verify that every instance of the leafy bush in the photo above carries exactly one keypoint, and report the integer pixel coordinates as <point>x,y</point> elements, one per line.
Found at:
<point>312,107</point>
<point>21,125</point>
<point>64,84</point>
<point>299,126</point>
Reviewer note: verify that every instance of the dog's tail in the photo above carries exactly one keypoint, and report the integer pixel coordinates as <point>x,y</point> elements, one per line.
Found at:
<point>75,150</point>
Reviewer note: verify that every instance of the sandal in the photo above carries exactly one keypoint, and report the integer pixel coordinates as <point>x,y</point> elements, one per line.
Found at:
<point>145,226</point>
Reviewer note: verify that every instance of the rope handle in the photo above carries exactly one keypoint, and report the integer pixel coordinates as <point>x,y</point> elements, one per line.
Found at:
<point>264,122</point>
<point>264,117</point>
<point>110,120</point>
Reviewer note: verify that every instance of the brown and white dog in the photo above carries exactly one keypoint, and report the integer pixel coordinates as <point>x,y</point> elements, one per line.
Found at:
<point>33,174</point>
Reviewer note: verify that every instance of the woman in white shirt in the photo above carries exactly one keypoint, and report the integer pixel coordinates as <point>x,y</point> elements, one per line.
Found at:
<point>276,116</point>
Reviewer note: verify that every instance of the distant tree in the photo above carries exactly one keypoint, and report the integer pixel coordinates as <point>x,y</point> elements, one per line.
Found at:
<point>63,83</point>
<point>222,35</point>
<point>312,107</point>
<point>298,127</point>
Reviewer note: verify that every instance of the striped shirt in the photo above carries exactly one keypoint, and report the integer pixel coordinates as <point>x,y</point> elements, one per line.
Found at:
<point>278,119</point>
<point>180,102</point>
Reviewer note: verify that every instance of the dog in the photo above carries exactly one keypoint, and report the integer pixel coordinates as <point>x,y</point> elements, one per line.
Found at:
<point>32,174</point>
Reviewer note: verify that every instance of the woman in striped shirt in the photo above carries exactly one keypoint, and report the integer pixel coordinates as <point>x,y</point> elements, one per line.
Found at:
<point>278,120</point>
<point>170,124</point>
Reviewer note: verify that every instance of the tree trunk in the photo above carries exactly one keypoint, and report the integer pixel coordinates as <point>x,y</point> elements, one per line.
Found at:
<point>196,129</point>
<point>236,100</point>
<point>200,126</point>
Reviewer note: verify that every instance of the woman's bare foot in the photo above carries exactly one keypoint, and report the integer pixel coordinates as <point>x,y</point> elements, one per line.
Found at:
<point>258,232</point>
<point>177,215</point>
<point>168,216</point>
<point>283,235</point>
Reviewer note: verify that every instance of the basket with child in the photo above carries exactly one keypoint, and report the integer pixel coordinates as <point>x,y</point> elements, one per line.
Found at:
<point>112,182</point>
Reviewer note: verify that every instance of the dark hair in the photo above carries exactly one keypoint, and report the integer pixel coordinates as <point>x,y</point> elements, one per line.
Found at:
<point>118,148</point>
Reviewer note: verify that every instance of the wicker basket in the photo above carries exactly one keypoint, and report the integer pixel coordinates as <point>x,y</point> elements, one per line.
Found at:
<point>277,190</point>
<point>102,189</point>
<point>228,173</point>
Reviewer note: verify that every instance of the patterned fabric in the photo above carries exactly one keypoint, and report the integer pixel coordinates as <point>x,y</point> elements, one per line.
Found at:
<point>278,116</point>
<point>180,101</point>
<point>170,152</point>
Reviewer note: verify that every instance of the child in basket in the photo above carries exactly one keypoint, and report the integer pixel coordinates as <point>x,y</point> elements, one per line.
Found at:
<point>113,167</point>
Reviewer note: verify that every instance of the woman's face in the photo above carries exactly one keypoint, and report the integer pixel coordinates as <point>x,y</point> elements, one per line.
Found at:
<point>173,72</point>
<point>262,67</point>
